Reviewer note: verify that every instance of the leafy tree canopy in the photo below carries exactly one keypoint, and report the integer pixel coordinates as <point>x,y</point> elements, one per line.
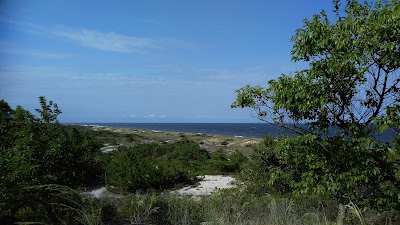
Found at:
<point>353,77</point>
<point>352,83</point>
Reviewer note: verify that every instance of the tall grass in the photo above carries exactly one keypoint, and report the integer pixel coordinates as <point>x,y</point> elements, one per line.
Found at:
<point>227,207</point>
<point>139,209</point>
<point>241,208</point>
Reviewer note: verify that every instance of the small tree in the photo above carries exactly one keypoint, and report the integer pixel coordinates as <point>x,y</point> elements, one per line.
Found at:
<point>352,84</point>
<point>37,151</point>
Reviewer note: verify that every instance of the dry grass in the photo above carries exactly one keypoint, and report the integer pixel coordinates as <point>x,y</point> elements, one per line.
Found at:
<point>131,137</point>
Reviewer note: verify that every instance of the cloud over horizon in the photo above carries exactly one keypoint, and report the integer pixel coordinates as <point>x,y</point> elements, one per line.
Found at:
<point>155,116</point>
<point>105,41</point>
<point>143,62</point>
<point>108,41</point>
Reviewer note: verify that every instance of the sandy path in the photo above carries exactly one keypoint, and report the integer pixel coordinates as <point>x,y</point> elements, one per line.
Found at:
<point>209,185</point>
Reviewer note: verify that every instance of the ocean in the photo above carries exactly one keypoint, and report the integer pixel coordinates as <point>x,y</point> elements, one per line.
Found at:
<point>253,130</point>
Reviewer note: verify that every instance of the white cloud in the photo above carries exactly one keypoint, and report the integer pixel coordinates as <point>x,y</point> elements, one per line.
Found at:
<point>102,40</point>
<point>155,116</point>
<point>106,41</point>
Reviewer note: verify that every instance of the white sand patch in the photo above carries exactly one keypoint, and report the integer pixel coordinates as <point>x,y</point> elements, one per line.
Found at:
<point>101,192</point>
<point>97,193</point>
<point>209,185</point>
<point>110,148</point>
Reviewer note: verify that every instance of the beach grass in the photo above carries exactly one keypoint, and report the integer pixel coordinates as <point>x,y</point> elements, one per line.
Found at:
<point>131,137</point>
<point>238,205</point>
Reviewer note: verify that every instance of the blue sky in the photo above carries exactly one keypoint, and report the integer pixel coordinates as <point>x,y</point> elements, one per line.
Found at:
<point>145,61</point>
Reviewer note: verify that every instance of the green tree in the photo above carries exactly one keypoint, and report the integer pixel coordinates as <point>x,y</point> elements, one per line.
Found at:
<point>40,151</point>
<point>352,84</point>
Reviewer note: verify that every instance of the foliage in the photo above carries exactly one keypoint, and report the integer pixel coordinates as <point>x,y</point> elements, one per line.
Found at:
<point>299,165</point>
<point>234,206</point>
<point>222,163</point>
<point>40,151</point>
<point>159,167</point>
<point>261,164</point>
<point>352,84</point>
<point>52,204</point>
<point>353,76</point>
<point>140,168</point>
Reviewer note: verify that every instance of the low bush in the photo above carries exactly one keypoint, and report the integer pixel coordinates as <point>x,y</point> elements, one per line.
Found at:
<point>148,166</point>
<point>223,163</point>
<point>37,150</point>
<point>159,167</point>
<point>307,165</point>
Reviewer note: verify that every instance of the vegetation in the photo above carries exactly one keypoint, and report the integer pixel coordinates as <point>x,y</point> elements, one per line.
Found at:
<point>351,87</point>
<point>110,136</point>
<point>42,161</point>
<point>158,167</point>
<point>39,151</point>
<point>29,196</point>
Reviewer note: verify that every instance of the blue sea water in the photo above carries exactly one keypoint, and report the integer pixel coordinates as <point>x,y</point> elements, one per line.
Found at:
<point>253,130</point>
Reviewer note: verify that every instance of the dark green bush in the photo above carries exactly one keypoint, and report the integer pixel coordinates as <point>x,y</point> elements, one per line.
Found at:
<point>224,143</point>
<point>187,151</point>
<point>40,151</point>
<point>158,167</point>
<point>145,167</point>
<point>222,163</point>
<point>306,165</point>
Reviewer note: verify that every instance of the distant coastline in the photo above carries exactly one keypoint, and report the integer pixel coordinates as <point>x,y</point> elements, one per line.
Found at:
<point>251,130</point>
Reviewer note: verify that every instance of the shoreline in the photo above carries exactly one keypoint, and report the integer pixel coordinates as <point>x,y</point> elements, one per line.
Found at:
<point>246,130</point>
<point>129,137</point>
<point>117,129</point>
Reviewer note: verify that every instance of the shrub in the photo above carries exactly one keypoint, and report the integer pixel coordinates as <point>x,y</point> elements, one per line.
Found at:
<point>144,167</point>
<point>40,151</point>
<point>159,167</point>
<point>222,163</point>
<point>307,165</point>
<point>187,151</point>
